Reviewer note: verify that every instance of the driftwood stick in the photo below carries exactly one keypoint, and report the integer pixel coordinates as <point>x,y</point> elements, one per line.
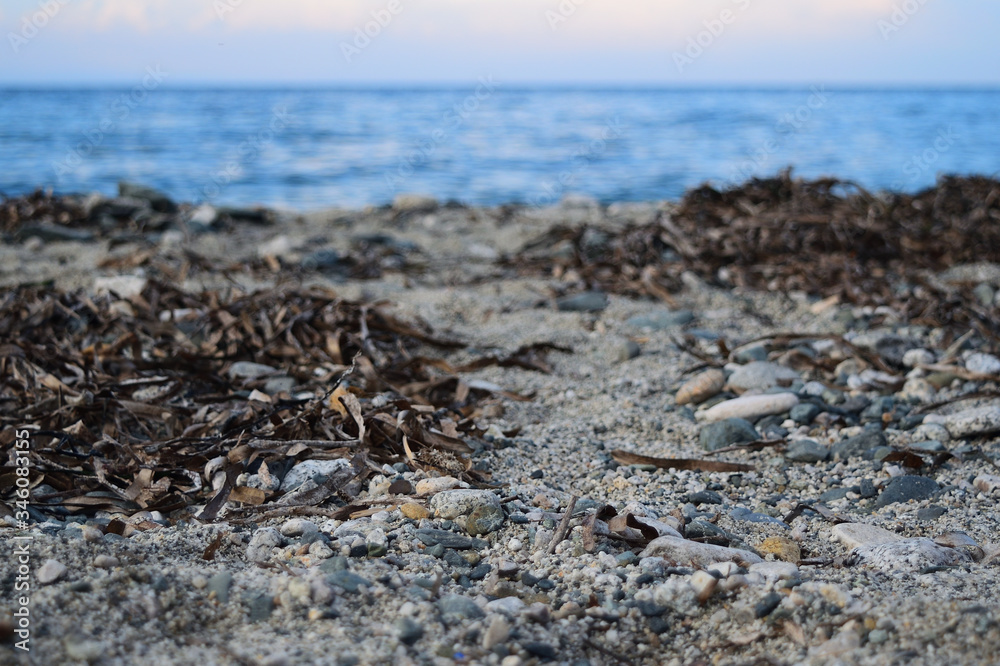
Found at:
<point>563,528</point>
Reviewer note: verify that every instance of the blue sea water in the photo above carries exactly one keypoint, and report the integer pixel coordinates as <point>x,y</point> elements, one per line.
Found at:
<point>485,143</point>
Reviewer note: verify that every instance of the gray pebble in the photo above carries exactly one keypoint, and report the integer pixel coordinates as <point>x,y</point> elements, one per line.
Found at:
<point>660,320</point>
<point>806,451</point>
<point>588,301</point>
<point>906,488</point>
<point>856,446</point>
<point>718,435</point>
<point>455,609</point>
<point>348,580</point>
<point>262,543</point>
<point>761,375</point>
<point>408,630</point>
<point>220,584</point>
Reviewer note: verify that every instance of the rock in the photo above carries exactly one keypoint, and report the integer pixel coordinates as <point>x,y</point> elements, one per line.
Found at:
<point>484,520</point>
<point>414,203</point>
<point>969,422</point>
<point>718,435</point>
<point>377,542</point>
<point>347,580</point>
<point>81,648</point>
<point>308,469</point>
<point>760,375</point>
<point>588,301</point>
<point>750,354</point>
<point>782,548</point>
<point>661,319</point>
<point>906,555</point>
<point>918,390</point>
<point>203,217</point>
<point>262,543</point>
<point>498,631</point>
<point>125,286</point>
<point>774,571</point>
<point>456,609</point>
<point>906,488</point>
<point>929,446</point>
<point>414,511</point>
<point>50,571</point>
<point>985,294</point>
<point>750,407</point>
<point>806,451</point>
<point>914,357</point>
<point>408,630</point>
<point>892,349</point>
<point>698,554</point>
<point>703,584</point>
<point>701,387</point>
<point>804,413</point>
<point>544,651</point>
<point>857,445</point>
<point>451,504</point>
<point>260,606</point>
<point>297,527</point>
<point>325,260</point>
<point>623,350</point>
<point>744,514</point>
<point>930,431</point>
<point>106,562</point>
<point>931,513</point>
<point>218,586</point>
<point>159,201</point>
<point>434,537</point>
<point>987,482</point>
<point>984,364</point>
<point>509,606</point>
<point>853,535</point>
<point>53,232</point>
<point>766,606</point>
<point>249,370</point>
<point>436,485</point>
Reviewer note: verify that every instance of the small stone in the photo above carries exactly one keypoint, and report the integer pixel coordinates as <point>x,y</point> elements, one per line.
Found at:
<point>704,585</point>
<point>750,354</point>
<point>106,562</point>
<point>969,422</point>
<point>456,609</point>
<point>262,543</point>
<point>497,632</point>
<point>435,537</point>
<point>249,370</point>
<point>775,571</point>
<point>806,451</point>
<point>297,527</point>
<point>701,387</point>
<point>919,356</point>
<point>436,485</point>
<point>853,535</point>
<point>906,555</point>
<point>218,585</point>
<point>662,319</point>
<point>308,469</point>
<point>906,488</point>
<point>987,482</point>
<point>705,497</point>
<point>414,511</point>
<point>588,301</point>
<point>750,407</point>
<point>484,520</point>
<point>543,651</point>
<point>760,375</point>
<point>720,434</point>
<point>766,606</point>
<point>450,504</point>
<point>50,572</point>
<point>692,552</point>
<point>856,446</point>
<point>125,286</point>
<point>347,580</point>
<point>917,390</point>
<point>81,648</point>
<point>408,202</point>
<point>931,513</point>
<point>377,543</point>
<point>624,350</point>
<point>408,630</point>
<point>260,606</point>
<point>984,364</point>
<point>782,548</point>
<point>804,413</point>
<point>930,446</point>
<point>509,606</point>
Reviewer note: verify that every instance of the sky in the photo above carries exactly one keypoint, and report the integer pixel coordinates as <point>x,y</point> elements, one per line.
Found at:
<point>576,42</point>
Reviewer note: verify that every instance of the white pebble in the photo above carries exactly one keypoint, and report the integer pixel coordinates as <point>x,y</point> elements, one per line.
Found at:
<point>50,572</point>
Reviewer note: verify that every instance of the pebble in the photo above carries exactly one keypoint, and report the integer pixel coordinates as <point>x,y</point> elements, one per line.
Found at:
<point>969,422</point>
<point>853,535</point>
<point>919,356</point>
<point>50,571</point>
<point>377,542</point>
<point>775,571</point>
<point>414,511</point>
<point>804,413</point>
<point>543,651</point>
<point>307,469</point>
<point>434,537</point>
<point>588,301</point>
<point>106,562</point>
<point>760,375</point>
<point>701,387</point>
<point>857,445</point>
<point>262,543</point>
<point>906,555</point>
<point>436,485</point>
<point>906,488</point>
<point>408,630</point>
<point>720,434</point>
<point>623,350</point>
<point>450,504</point>
<point>704,585</point>
<point>297,527</point>
<point>249,370</point>
<point>987,482</point>
<point>692,552</point>
<point>347,580</point>
<point>408,202</point>
<point>806,451</point>
<point>456,609</point>
<point>661,319</point>
<point>219,586</point>
<point>782,548</point>
<point>126,286</point>
<point>260,606</point>
<point>750,407</point>
<point>497,632</point>
<point>484,520</point>
<point>984,364</point>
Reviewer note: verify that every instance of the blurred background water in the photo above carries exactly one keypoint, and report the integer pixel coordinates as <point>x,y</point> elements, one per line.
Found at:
<point>483,144</point>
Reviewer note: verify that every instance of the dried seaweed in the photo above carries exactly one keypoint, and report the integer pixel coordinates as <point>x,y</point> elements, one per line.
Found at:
<point>149,403</point>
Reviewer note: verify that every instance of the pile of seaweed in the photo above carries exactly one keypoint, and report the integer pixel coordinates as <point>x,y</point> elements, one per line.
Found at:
<point>138,404</point>
<point>827,237</point>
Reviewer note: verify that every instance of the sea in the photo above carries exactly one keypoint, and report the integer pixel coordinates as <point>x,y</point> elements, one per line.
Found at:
<point>485,143</point>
